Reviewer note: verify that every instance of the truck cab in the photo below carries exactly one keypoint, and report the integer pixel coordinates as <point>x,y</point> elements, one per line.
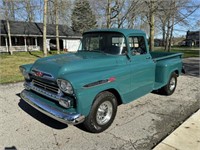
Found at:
<point>111,67</point>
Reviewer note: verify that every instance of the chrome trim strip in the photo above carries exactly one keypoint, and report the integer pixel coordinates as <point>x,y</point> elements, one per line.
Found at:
<point>100,82</point>
<point>45,86</point>
<point>30,86</point>
<point>67,118</point>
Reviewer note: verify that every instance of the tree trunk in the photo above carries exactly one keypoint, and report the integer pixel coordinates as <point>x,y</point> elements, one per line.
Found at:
<point>9,37</point>
<point>108,15</point>
<point>12,10</point>
<point>167,36</point>
<point>57,31</point>
<point>171,34</point>
<point>163,35</point>
<point>8,27</point>
<point>118,4</point>
<point>172,28</point>
<point>151,23</point>
<point>45,28</point>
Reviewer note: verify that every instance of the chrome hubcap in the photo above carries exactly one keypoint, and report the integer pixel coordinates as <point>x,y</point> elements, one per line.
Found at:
<point>172,84</point>
<point>104,113</point>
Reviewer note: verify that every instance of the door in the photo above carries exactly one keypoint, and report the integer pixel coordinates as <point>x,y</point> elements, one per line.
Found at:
<point>142,67</point>
<point>72,44</point>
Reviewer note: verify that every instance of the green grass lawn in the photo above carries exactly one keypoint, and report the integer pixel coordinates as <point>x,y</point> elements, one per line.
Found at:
<point>187,51</point>
<point>9,65</point>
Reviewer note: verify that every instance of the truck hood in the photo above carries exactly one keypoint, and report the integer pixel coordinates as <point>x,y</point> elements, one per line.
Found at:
<point>74,62</point>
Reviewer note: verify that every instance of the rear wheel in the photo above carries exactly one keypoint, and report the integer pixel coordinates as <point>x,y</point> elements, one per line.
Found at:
<point>171,85</point>
<point>102,113</point>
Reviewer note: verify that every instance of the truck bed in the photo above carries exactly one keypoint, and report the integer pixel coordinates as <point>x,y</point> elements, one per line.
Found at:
<point>166,62</point>
<point>156,56</point>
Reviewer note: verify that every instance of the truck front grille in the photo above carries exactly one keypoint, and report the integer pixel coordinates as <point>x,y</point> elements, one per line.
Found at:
<point>45,86</point>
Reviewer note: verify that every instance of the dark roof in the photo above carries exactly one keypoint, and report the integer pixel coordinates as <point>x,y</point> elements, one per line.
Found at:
<point>35,29</point>
<point>193,32</point>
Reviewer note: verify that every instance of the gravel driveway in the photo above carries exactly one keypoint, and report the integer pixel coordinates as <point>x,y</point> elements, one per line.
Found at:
<point>139,125</point>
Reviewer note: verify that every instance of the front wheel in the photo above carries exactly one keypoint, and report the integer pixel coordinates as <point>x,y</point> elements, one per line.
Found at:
<point>171,85</point>
<point>102,113</point>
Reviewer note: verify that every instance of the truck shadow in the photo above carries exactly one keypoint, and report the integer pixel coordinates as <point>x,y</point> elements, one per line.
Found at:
<point>43,118</point>
<point>40,116</point>
<point>192,67</point>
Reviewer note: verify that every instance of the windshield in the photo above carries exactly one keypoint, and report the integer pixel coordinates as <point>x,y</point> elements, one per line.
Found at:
<point>107,42</point>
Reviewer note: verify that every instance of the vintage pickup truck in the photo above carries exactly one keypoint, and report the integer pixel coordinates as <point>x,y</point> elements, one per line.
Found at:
<point>111,67</point>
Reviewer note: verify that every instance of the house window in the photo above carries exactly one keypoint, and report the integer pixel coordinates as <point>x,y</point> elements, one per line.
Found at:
<point>3,42</point>
<point>15,41</point>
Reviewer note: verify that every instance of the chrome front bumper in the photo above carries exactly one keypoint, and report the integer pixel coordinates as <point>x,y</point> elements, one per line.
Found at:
<point>51,110</point>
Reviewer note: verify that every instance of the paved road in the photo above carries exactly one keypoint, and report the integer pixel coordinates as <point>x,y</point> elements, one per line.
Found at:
<point>192,67</point>
<point>139,125</point>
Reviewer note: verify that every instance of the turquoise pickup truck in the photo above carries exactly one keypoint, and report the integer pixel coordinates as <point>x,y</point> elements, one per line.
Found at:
<point>111,67</point>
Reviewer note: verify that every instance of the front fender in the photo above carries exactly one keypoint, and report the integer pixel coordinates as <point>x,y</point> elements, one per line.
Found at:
<point>85,95</point>
<point>27,67</point>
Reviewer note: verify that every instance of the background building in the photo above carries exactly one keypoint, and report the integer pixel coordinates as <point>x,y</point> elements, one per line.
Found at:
<point>192,38</point>
<point>28,36</point>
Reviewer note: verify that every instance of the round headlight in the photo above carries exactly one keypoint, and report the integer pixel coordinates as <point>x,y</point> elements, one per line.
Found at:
<point>65,86</point>
<point>24,73</point>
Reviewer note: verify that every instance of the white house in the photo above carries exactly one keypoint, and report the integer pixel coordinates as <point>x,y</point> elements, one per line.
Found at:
<point>27,36</point>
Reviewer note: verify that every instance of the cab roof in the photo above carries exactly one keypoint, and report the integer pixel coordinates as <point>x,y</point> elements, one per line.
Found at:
<point>125,32</point>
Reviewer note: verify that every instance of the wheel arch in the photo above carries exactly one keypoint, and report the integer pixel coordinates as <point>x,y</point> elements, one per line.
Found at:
<point>117,95</point>
<point>176,72</point>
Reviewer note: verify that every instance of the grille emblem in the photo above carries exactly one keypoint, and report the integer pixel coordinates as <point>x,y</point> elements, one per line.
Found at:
<point>39,74</point>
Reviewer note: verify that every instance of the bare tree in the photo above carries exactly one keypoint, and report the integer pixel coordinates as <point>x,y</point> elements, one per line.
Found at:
<point>45,28</point>
<point>8,24</point>
<point>108,15</point>
<point>64,14</point>
<point>116,13</point>
<point>29,10</point>
<point>51,12</point>
<point>150,11</point>
<point>152,23</point>
<point>57,30</point>
<point>171,13</point>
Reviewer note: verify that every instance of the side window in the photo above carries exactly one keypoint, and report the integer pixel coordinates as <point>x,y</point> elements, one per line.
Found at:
<point>118,45</point>
<point>118,41</point>
<point>137,45</point>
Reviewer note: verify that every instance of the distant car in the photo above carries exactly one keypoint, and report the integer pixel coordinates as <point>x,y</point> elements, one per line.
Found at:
<point>111,67</point>
<point>52,46</point>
